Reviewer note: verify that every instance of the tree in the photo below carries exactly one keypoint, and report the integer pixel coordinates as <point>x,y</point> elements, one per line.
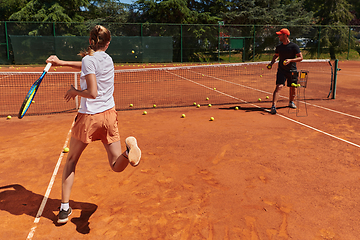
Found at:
<point>263,12</point>
<point>107,11</point>
<point>335,15</point>
<point>168,11</point>
<point>8,7</point>
<point>50,11</point>
<point>355,10</point>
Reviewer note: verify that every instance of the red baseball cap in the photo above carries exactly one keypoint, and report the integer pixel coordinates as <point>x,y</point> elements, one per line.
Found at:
<point>284,31</point>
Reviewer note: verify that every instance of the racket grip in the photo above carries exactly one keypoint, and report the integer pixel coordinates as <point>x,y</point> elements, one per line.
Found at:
<point>48,66</point>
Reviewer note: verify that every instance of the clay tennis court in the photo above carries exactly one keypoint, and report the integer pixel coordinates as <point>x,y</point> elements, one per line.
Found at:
<point>246,175</point>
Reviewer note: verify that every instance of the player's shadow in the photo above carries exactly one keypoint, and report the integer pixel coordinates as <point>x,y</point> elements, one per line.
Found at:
<point>251,109</point>
<point>17,200</point>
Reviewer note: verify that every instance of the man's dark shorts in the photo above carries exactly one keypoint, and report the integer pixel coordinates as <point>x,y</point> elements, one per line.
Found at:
<point>284,76</point>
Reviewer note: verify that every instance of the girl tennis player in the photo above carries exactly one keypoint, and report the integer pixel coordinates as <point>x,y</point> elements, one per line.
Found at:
<point>97,117</point>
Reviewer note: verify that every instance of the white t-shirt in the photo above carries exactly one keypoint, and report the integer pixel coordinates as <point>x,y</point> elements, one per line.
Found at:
<point>100,64</point>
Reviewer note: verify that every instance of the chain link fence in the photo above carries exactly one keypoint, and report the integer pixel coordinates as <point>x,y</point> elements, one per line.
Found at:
<point>33,42</point>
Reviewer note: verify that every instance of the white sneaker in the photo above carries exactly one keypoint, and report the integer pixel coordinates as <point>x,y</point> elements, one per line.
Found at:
<point>292,105</point>
<point>133,151</point>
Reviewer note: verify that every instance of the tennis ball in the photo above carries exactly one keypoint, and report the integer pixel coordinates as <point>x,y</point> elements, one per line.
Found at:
<point>8,117</point>
<point>66,150</point>
<point>214,88</point>
<point>145,112</point>
<point>212,119</point>
<point>198,105</point>
<point>267,97</point>
<point>154,105</point>
<point>32,101</point>
<point>131,105</point>
<point>236,108</point>
<point>259,99</point>
<point>209,105</point>
<point>285,62</point>
<point>260,75</point>
<point>132,51</point>
<point>293,85</point>
<point>194,103</point>
<point>183,116</point>
<point>299,85</point>
<point>207,99</point>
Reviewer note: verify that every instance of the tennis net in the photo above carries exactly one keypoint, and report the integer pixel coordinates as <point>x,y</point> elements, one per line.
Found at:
<point>178,86</point>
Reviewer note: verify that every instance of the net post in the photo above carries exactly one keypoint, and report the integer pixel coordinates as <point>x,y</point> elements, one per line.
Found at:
<point>181,43</point>
<point>219,40</point>
<point>254,35</point>
<point>7,42</point>
<point>75,86</point>
<point>348,53</point>
<point>336,69</point>
<point>318,50</point>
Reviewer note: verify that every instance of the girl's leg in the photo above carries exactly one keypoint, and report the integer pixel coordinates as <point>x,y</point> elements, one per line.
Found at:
<point>76,149</point>
<point>118,161</point>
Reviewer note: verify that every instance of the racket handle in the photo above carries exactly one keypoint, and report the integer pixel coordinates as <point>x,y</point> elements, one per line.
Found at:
<point>48,66</point>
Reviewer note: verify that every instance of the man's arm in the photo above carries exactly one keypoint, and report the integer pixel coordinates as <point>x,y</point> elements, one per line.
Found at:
<point>275,57</point>
<point>299,58</point>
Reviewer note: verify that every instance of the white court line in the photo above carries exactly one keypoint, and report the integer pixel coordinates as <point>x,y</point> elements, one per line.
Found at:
<point>47,194</point>
<point>259,90</point>
<point>287,118</point>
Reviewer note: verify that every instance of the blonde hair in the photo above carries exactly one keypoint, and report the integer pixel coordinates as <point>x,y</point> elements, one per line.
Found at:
<point>99,37</point>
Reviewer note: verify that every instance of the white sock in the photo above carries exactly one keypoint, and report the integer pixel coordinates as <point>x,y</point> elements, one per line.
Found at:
<point>64,206</point>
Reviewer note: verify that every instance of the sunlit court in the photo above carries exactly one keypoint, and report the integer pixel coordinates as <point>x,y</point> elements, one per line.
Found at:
<point>215,163</point>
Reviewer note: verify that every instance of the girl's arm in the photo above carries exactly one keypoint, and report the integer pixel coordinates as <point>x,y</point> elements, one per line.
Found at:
<point>89,92</point>
<point>55,61</point>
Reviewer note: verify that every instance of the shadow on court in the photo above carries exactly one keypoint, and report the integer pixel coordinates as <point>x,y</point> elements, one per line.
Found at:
<point>252,109</point>
<point>17,200</point>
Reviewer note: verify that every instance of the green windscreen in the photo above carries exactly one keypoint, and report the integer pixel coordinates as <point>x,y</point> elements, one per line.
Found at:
<point>36,49</point>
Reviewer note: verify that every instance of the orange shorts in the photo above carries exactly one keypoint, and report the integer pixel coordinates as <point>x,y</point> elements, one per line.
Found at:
<point>92,127</point>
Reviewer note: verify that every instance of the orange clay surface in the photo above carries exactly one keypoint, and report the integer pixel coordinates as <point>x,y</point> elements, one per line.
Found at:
<point>246,175</point>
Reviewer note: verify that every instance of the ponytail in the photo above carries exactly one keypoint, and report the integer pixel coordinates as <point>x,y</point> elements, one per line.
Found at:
<point>99,37</point>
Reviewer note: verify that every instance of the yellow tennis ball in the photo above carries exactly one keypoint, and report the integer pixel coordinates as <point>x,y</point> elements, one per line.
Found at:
<point>154,105</point>
<point>259,99</point>
<point>212,119</point>
<point>236,108</point>
<point>194,103</point>
<point>8,117</point>
<point>183,116</point>
<point>145,112</point>
<point>209,105</point>
<point>66,150</point>
<point>131,105</point>
<point>267,97</point>
<point>132,51</point>
<point>207,99</point>
<point>198,105</point>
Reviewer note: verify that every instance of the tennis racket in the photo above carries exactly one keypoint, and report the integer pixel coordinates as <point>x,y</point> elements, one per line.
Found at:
<point>31,94</point>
